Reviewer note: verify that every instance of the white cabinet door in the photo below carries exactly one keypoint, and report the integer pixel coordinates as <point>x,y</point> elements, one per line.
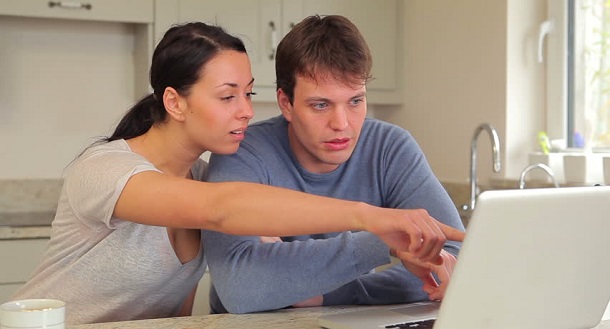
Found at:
<point>376,20</point>
<point>19,258</point>
<point>7,290</point>
<point>262,23</point>
<point>256,22</point>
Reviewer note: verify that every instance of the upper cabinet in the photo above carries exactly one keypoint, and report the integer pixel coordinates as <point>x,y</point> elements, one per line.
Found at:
<point>132,11</point>
<point>139,14</point>
<point>262,23</point>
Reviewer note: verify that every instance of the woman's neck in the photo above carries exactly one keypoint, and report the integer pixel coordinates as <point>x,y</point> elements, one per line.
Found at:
<point>169,153</point>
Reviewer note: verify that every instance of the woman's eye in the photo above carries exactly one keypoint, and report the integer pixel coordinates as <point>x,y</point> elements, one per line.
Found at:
<point>250,94</point>
<point>227,98</point>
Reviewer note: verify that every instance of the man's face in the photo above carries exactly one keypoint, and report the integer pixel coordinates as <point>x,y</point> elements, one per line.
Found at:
<point>325,120</point>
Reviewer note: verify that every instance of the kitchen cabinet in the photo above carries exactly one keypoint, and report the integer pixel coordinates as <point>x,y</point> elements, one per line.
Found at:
<point>139,14</point>
<point>133,11</point>
<point>262,23</point>
<point>19,258</point>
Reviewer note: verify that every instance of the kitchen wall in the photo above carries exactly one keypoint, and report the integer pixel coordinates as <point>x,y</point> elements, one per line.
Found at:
<point>465,62</point>
<point>469,62</point>
<point>63,83</point>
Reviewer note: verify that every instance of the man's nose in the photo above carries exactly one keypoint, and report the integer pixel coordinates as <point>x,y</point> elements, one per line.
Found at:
<point>338,120</point>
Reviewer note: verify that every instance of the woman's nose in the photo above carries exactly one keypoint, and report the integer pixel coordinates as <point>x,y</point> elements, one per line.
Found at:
<point>246,111</point>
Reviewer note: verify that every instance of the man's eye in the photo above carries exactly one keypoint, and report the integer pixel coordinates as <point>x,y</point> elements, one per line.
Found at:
<point>357,101</point>
<point>319,106</point>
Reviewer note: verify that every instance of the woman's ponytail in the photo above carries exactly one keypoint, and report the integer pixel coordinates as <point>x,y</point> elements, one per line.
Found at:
<point>138,120</point>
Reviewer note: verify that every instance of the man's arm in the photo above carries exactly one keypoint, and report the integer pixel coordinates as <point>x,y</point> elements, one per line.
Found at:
<point>408,183</point>
<point>251,276</point>
<point>392,286</point>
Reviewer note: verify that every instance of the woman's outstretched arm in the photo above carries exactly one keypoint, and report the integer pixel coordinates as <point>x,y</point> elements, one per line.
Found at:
<point>254,209</point>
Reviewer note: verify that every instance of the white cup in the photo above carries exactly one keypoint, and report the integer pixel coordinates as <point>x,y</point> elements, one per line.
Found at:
<point>33,314</point>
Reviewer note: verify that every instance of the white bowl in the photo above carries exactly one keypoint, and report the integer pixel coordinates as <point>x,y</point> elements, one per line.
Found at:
<point>33,313</point>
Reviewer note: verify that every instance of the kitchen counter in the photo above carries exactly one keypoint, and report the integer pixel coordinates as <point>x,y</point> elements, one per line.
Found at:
<point>27,207</point>
<point>25,225</point>
<point>305,318</point>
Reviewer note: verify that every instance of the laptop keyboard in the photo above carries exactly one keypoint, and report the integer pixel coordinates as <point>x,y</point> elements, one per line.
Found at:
<point>419,324</point>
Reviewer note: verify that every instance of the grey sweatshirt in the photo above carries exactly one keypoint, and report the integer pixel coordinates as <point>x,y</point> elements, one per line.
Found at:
<point>387,169</point>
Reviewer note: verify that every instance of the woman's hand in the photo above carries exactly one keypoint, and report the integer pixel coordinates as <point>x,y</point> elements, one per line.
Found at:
<point>413,231</point>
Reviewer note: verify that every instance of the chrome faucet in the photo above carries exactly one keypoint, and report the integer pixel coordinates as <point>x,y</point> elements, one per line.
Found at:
<point>497,164</point>
<point>542,166</point>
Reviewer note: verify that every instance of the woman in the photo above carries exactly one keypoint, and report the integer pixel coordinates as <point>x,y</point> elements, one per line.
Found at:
<point>126,243</point>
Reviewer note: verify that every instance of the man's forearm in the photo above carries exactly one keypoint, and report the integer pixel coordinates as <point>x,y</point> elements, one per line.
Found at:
<point>250,276</point>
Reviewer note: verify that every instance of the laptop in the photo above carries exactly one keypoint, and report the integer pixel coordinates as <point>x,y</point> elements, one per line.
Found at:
<point>533,258</point>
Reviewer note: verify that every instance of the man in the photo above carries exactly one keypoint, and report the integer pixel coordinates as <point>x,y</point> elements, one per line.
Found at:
<point>324,144</point>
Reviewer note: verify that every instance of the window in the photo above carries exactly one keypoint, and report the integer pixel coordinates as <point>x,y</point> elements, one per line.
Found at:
<point>578,73</point>
<point>588,73</point>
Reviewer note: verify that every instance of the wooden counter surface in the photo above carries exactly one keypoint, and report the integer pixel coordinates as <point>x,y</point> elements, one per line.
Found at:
<point>305,318</point>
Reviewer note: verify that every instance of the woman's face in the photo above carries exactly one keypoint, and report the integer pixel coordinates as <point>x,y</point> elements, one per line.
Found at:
<point>219,106</point>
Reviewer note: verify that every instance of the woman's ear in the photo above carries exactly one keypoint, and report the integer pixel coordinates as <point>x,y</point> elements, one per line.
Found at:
<point>284,103</point>
<point>174,104</point>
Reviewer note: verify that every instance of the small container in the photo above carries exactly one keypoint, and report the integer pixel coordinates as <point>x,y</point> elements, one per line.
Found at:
<point>33,314</point>
<point>606,164</point>
<point>583,169</point>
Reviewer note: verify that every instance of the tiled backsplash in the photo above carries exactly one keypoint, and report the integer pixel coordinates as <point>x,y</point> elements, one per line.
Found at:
<point>36,195</point>
<point>41,195</point>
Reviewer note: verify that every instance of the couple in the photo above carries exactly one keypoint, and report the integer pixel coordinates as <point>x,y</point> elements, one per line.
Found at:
<point>127,229</point>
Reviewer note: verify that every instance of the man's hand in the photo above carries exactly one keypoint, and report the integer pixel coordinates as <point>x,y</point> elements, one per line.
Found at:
<point>270,239</point>
<point>311,302</point>
<point>413,231</point>
<point>424,272</point>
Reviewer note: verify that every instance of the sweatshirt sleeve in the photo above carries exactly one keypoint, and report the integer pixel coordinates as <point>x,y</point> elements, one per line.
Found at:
<point>287,272</point>
<point>392,286</point>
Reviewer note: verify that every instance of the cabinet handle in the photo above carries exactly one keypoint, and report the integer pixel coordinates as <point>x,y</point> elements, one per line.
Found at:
<point>70,5</point>
<point>273,40</point>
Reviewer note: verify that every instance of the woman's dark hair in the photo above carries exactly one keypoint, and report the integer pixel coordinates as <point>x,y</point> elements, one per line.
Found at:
<point>177,62</point>
<point>322,44</point>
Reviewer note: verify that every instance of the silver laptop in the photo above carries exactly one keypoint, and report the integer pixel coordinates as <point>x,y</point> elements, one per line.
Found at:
<point>534,258</point>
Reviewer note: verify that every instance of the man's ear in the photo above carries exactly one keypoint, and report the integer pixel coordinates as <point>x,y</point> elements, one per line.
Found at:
<point>284,103</point>
<point>174,104</point>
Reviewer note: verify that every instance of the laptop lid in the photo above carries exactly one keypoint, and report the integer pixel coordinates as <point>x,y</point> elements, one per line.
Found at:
<point>534,258</point>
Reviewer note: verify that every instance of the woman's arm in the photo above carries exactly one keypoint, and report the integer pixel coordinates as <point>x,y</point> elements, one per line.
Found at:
<point>254,209</point>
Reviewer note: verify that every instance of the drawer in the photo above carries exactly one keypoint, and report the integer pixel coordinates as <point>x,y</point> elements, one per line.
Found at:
<point>19,258</point>
<point>7,290</point>
<point>132,11</point>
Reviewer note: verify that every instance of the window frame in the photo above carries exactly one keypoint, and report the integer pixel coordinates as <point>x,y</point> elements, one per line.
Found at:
<point>557,91</point>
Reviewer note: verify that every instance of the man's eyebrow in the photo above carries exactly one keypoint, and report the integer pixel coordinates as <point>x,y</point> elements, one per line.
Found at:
<point>318,99</point>
<point>362,94</point>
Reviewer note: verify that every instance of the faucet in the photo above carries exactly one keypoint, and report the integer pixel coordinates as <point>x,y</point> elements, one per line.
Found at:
<point>497,165</point>
<point>542,166</point>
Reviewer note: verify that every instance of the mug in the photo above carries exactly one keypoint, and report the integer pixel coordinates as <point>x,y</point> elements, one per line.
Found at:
<point>33,314</point>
